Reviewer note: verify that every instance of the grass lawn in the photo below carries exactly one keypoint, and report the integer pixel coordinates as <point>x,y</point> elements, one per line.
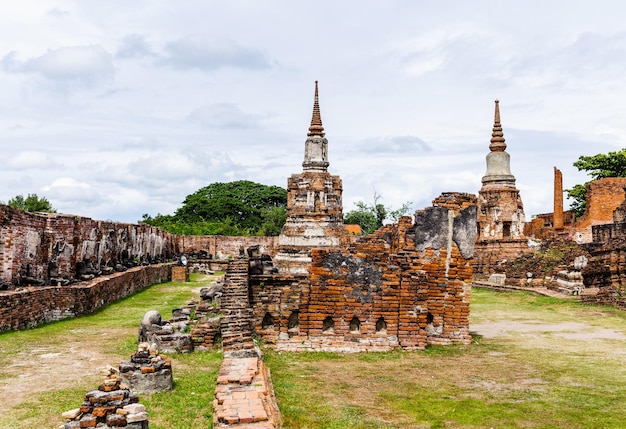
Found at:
<point>538,362</point>
<point>543,363</point>
<point>48,370</point>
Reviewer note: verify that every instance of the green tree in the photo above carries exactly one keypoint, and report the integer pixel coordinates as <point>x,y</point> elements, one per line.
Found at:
<point>370,217</point>
<point>32,203</point>
<point>234,208</point>
<point>600,166</point>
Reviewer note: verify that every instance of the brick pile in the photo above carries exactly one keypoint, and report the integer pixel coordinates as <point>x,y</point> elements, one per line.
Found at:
<point>206,332</point>
<point>147,371</point>
<point>112,405</point>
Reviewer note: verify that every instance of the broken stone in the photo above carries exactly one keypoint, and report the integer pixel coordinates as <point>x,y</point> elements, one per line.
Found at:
<point>71,414</point>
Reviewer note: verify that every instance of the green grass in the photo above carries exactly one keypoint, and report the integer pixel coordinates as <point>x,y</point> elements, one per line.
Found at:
<point>540,376</point>
<point>532,378</point>
<point>111,334</point>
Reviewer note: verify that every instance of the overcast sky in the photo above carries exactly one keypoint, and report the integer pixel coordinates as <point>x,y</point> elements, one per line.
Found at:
<point>112,109</point>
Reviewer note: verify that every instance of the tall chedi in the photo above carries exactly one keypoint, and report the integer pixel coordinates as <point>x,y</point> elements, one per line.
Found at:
<point>314,210</point>
<point>500,210</point>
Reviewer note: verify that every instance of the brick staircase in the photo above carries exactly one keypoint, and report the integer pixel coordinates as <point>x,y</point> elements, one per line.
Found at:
<point>236,325</point>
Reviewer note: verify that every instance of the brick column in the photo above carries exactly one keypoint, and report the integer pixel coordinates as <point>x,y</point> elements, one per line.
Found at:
<point>558,199</point>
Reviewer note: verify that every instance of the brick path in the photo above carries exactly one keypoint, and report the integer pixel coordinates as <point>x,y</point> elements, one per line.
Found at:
<point>244,396</point>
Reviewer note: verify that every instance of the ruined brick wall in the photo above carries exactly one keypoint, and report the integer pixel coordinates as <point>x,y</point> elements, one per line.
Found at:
<point>222,247</point>
<point>41,249</point>
<point>406,285</point>
<point>541,226</point>
<point>606,269</point>
<point>603,197</point>
<point>28,307</point>
<point>276,302</point>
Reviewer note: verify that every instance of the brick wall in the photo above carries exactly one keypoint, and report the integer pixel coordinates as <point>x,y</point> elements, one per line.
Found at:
<point>406,285</point>
<point>27,307</point>
<point>221,247</point>
<point>603,197</point>
<point>39,249</point>
<point>42,249</point>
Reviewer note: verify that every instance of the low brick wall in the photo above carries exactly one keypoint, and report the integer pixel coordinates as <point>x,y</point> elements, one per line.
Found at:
<point>28,307</point>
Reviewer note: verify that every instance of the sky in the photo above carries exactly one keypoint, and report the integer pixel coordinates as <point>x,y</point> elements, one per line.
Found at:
<point>114,109</point>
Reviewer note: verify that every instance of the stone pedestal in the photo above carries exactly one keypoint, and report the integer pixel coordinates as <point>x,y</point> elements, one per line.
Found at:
<point>180,274</point>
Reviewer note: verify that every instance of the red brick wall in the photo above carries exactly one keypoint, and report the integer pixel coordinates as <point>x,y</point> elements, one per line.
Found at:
<point>603,197</point>
<point>28,307</point>
<point>35,246</point>
<point>422,294</point>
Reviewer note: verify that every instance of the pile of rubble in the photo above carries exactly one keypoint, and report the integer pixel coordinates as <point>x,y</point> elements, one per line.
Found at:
<point>147,371</point>
<point>169,336</point>
<point>111,405</point>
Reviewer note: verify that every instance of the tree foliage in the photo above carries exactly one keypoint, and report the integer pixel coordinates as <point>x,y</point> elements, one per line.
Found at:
<point>600,166</point>
<point>370,217</point>
<point>32,203</point>
<point>234,208</point>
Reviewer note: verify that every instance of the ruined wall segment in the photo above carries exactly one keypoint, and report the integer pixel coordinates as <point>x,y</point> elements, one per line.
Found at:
<point>49,248</point>
<point>222,247</point>
<point>405,286</point>
<point>28,307</point>
<point>314,205</point>
<point>606,269</point>
<point>40,249</point>
<point>603,197</point>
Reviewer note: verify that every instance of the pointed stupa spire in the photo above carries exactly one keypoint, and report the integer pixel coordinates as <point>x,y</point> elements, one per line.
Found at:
<point>316,128</point>
<point>497,136</point>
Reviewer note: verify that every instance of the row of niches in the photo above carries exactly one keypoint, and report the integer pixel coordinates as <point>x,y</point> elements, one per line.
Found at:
<point>328,325</point>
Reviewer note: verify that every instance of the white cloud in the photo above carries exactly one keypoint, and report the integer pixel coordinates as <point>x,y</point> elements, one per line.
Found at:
<point>223,115</point>
<point>134,46</point>
<point>86,64</point>
<point>31,160</point>
<point>396,144</point>
<point>67,192</point>
<point>212,54</point>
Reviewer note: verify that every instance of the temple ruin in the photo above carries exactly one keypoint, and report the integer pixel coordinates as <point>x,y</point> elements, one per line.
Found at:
<point>500,217</point>
<point>314,206</point>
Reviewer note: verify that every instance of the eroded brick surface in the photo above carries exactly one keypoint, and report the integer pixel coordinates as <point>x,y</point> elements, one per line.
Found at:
<point>406,285</point>
<point>244,395</point>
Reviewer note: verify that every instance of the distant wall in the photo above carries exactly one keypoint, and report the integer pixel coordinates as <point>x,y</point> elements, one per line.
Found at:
<point>28,307</point>
<point>50,249</point>
<point>222,247</point>
<point>603,197</point>
<point>40,249</point>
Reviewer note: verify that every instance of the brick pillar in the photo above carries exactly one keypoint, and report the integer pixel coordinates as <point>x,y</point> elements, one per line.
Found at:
<point>558,199</point>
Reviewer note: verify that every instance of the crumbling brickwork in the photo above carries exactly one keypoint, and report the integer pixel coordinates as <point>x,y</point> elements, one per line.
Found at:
<point>40,249</point>
<point>603,197</point>
<point>541,226</point>
<point>406,285</point>
<point>27,307</point>
<point>607,265</point>
<point>221,247</point>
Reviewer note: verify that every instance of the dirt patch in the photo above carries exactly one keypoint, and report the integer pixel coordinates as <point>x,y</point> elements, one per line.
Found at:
<point>570,330</point>
<point>57,366</point>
